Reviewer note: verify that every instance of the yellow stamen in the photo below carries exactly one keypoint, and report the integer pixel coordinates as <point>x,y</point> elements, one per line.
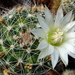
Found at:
<point>56,37</point>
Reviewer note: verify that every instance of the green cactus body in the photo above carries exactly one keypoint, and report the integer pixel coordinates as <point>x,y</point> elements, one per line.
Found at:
<point>17,44</point>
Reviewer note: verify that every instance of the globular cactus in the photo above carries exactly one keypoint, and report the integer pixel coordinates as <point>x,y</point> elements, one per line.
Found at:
<point>68,72</point>
<point>16,41</point>
<point>68,5</point>
<point>18,53</point>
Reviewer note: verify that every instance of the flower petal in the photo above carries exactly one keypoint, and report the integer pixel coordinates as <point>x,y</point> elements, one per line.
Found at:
<point>45,52</point>
<point>43,44</point>
<point>69,26</point>
<point>43,24</point>
<point>38,32</point>
<point>73,29</point>
<point>63,55</point>
<point>70,35</point>
<point>49,17</point>
<point>67,19</point>
<point>54,58</point>
<point>71,54</point>
<point>69,47</point>
<point>71,41</point>
<point>59,16</point>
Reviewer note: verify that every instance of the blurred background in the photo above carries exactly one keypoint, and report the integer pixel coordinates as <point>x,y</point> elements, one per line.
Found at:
<point>51,4</point>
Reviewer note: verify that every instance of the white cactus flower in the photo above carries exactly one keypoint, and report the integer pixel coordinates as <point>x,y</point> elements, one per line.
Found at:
<point>58,37</point>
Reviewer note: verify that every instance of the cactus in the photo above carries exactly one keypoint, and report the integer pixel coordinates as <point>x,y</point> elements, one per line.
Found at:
<point>68,72</point>
<point>68,5</point>
<point>18,53</point>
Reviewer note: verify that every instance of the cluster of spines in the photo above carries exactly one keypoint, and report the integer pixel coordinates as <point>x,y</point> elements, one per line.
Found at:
<point>16,41</point>
<point>68,5</point>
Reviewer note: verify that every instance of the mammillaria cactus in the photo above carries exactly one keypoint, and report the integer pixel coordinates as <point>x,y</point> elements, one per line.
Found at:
<point>16,41</point>
<point>18,53</point>
<point>68,5</point>
<point>68,72</point>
